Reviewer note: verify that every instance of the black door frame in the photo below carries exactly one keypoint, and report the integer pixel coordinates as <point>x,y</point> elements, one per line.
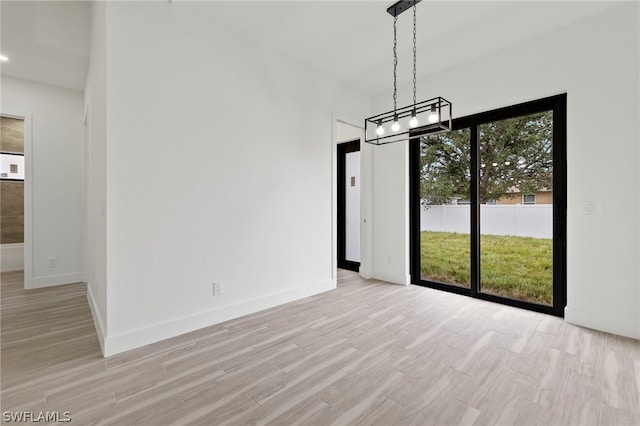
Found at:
<point>343,149</point>
<point>558,104</point>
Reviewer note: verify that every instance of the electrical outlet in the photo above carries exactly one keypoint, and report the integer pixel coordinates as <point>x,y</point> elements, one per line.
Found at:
<point>53,262</point>
<point>217,289</point>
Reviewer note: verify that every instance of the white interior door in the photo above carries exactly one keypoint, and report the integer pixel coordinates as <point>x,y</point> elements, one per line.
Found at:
<point>352,206</point>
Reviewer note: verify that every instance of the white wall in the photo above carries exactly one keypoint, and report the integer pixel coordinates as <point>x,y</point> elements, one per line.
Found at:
<point>57,177</point>
<point>256,131</point>
<point>595,62</point>
<point>96,184</point>
<point>388,213</point>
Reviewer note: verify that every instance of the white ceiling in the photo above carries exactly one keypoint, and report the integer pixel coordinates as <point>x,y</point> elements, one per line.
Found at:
<point>46,41</point>
<point>352,40</point>
<point>349,40</point>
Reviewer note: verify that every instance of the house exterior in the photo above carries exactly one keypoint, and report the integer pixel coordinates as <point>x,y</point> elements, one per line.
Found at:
<point>540,197</point>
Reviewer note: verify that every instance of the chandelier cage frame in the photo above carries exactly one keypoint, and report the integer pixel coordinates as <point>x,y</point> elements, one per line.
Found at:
<point>423,111</point>
<point>413,121</point>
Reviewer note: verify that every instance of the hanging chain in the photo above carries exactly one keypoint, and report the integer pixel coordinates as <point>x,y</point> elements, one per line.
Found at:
<point>414,54</point>
<point>395,64</point>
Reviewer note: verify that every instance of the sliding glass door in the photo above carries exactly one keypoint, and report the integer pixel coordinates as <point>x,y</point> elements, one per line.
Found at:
<point>445,191</point>
<point>516,208</point>
<point>488,208</point>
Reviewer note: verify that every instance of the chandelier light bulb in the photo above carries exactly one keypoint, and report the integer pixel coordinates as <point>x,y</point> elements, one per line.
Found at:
<point>414,121</point>
<point>483,165</point>
<point>395,126</point>
<point>379,129</point>
<point>494,164</point>
<point>506,163</point>
<point>433,117</point>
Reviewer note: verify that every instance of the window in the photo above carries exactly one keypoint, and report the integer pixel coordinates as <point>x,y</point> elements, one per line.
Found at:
<point>528,198</point>
<point>11,166</point>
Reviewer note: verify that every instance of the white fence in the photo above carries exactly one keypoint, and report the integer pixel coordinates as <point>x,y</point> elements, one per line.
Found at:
<point>516,220</point>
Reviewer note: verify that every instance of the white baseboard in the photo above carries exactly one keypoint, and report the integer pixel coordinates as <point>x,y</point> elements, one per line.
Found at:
<point>402,279</point>
<point>609,323</point>
<point>12,257</point>
<point>97,317</point>
<point>60,279</point>
<point>364,271</point>
<point>154,333</point>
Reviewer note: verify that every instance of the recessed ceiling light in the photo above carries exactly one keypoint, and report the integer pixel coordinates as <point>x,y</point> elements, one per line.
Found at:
<point>3,58</point>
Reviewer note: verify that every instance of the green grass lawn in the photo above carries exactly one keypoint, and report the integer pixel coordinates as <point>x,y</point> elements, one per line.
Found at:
<point>513,267</point>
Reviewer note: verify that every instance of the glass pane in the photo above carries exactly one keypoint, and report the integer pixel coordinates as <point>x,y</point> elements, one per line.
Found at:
<point>516,208</point>
<point>445,181</point>
<point>352,206</point>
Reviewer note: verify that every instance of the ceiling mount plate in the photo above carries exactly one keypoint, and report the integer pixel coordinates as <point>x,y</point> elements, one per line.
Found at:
<point>399,7</point>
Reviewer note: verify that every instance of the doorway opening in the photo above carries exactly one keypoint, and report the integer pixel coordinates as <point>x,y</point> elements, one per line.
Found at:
<point>12,193</point>
<point>349,205</point>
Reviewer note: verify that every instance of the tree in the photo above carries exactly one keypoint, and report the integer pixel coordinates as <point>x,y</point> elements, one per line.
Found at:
<point>515,156</point>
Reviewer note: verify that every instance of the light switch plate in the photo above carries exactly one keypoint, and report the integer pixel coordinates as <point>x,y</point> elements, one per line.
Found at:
<point>590,208</point>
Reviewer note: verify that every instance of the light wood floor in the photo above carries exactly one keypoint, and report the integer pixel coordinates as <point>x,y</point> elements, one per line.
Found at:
<point>366,353</point>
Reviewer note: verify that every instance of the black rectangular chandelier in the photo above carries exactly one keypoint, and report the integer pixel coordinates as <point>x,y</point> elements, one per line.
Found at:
<point>415,120</point>
<point>410,122</point>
